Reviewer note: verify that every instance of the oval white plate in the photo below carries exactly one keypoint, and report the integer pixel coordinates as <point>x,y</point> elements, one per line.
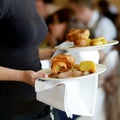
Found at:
<point>99,69</point>
<point>68,46</point>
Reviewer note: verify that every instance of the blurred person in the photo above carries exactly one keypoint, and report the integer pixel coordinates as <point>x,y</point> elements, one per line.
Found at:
<point>112,7</point>
<point>98,25</point>
<point>104,6</point>
<point>94,21</point>
<point>44,8</point>
<point>112,84</point>
<point>57,23</point>
<point>21,32</point>
<point>41,6</point>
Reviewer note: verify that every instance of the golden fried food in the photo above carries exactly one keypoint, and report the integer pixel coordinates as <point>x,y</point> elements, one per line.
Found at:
<point>63,66</point>
<point>58,57</point>
<point>58,66</point>
<point>87,66</point>
<point>84,68</point>
<point>70,60</point>
<point>98,41</point>
<point>76,66</point>
<point>79,37</point>
<point>61,63</point>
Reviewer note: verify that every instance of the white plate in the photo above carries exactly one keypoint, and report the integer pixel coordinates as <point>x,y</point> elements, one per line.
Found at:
<point>68,46</point>
<point>99,69</point>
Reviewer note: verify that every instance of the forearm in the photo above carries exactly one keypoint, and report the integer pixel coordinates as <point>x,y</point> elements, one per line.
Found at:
<point>45,53</point>
<point>7,74</point>
<point>28,76</point>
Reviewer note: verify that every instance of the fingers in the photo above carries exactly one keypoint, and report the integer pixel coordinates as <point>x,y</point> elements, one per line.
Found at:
<point>39,74</point>
<point>42,75</point>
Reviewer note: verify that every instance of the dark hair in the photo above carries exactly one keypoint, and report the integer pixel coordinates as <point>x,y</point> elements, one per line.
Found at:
<point>63,15</point>
<point>103,4</point>
<point>88,3</point>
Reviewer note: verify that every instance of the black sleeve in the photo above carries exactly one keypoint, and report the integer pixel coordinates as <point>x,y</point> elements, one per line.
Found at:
<point>2,8</point>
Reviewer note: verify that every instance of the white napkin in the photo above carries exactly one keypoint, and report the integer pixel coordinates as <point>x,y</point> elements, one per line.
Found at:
<point>74,97</point>
<point>92,55</point>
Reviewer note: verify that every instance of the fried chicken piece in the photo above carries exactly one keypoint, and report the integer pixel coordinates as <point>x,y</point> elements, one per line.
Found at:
<point>70,60</point>
<point>62,63</point>
<point>58,66</point>
<point>80,37</point>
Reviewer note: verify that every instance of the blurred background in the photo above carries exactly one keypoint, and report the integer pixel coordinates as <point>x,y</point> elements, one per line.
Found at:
<point>64,2</point>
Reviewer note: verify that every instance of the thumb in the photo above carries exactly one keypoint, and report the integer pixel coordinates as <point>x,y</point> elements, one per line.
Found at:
<point>42,74</point>
<point>39,75</point>
<point>34,75</point>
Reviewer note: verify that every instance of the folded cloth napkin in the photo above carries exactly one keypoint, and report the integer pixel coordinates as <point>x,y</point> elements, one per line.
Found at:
<point>92,55</point>
<point>72,96</point>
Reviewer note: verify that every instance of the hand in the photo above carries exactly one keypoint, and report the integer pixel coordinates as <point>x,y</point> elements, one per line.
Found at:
<point>31,76</point>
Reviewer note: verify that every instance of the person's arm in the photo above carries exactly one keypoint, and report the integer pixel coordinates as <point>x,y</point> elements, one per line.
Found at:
<point>27,76</point>
<point>45,53</point>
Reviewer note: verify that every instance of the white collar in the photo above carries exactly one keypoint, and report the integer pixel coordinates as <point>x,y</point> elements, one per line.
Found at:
<point>93,20</point>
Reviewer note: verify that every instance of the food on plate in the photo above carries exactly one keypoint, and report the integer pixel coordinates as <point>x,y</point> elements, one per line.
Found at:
<point>80,38</point>
<point>88,66</point>
<point>98,41</point>
<point>68,74</point>
<point>63,66</point>
<point>61,63</point>
<point>58,66</point>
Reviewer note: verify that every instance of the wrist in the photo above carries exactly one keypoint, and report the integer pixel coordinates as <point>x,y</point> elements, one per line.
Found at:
<point>27,77</point>
<point>20,76</point>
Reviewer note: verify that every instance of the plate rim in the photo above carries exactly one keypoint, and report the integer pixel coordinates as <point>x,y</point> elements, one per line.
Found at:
<point>86,48</point>
<point>104,68</point>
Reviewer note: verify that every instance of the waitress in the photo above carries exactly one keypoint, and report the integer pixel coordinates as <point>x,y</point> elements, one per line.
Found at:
<point>21,32</point>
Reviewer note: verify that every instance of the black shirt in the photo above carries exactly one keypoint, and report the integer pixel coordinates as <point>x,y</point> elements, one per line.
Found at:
<point>21,31</point>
